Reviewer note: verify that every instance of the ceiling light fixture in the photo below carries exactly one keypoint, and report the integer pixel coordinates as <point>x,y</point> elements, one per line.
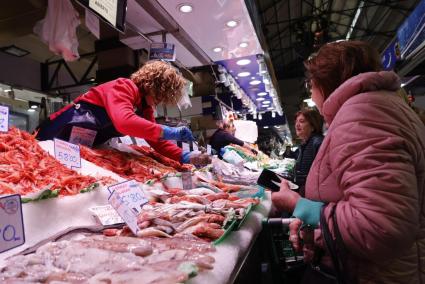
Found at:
<point>265,127</point>
<point>217,49</point>
<point>31,110</point>
<point>262,94</point>
<point>266,102</point>
<point>260,117</point>
<point>270,108</point>
<point>185,8</point>
<point>243,62</point>
<point>244,74</point>
<point>34,106</point>
<point>232,23</point>
<point>255,82</point>
<point>243,44</point>
<point>260,99</point>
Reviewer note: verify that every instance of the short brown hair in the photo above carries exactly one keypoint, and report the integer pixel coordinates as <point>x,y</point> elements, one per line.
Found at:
<point>313,117</point>
<point>161,78</point>
<point>336,62</point>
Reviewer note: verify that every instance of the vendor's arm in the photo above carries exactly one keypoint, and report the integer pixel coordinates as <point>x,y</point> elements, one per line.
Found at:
<point>119,103</point>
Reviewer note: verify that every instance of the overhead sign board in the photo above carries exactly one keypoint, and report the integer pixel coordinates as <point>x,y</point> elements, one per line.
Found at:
<point>162,51</point>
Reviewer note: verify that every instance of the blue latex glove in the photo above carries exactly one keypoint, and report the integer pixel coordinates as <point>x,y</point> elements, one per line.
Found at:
<point>196,158</point>
<point>185,159</point>
<point>177,133</point>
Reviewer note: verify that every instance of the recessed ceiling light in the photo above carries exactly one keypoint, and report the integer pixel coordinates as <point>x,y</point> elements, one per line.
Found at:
<point>185,8</point>
<point>265,127</point>
<point>270,108</point>
<point>217,49</point>
<point>243,62</point>
<point>232,23</point>
<point>260,99</point>
<point>244,74</point>
<point>34,106</point>
<point>262,94</point>
<point>266,102</point>
<point>243,44</point>
<point>255,82</point>
<point>31,110</point>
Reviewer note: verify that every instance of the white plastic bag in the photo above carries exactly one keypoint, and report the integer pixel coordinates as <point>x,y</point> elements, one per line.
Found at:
<point>58,29</point>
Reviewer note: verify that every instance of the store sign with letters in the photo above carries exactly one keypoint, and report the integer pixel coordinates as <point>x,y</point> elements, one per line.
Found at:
<point>106,8</point>
<point>82,136</point>
<point>162,51</point>
<point>127,198</point>
<point>11,222</point>
<point>67,153</point>
<point>4,118</point>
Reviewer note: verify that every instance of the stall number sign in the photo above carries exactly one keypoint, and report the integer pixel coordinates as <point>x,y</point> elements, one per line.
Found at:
<point>106,215</point>
<point>4,118</point>
<point>128,198</point>
<point>82,136</point>
<point>162,51</point>
<point>11,223</point>
<point>67,153</point>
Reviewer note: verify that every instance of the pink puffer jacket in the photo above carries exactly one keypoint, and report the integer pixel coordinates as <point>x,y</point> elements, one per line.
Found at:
<point>371,166</point>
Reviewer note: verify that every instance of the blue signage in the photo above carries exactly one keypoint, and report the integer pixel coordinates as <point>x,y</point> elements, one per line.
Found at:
<point>391,55</point>
<point>411,34</point>
<point>162,51</point>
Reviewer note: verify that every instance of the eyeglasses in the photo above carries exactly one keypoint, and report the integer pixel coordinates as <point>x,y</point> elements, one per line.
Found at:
<point>307,85</point>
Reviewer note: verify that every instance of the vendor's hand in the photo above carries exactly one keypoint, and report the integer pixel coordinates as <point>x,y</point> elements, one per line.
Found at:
<point>181,133</point>
<point>285,199</point>
<point>200,159</point>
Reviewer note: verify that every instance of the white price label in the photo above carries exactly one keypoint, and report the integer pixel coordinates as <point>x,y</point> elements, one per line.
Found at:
<point>82,136</point>
<point>131,193</point>
<point>106,215</point>
<point>209,149</point>
<point>127,198</point>
<point>187,180</point>
<point>67,153</point>
<point>141,142</point>
<point>11,223</point>
<point>4,118</point>
<point>195,147</point>
<point>185,147</point>
<point>126,140</point>
<point>106,8</point>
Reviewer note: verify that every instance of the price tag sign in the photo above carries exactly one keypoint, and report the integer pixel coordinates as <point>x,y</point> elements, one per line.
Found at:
<point>185,147</point>
<point>67,153</point>
<point>126,140</point>
<point>82,136</point>
<point>106,215</point>
<point>11,223</point>
<point>195,147</point>
<point>187,180</point>
<point>4,118</point>
<point>127,198</point>
<point>141,142</point>
<point>209,149</point>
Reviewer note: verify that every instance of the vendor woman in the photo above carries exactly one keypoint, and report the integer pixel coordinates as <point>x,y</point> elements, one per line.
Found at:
<point>225,135</point>
<point>126,107</point>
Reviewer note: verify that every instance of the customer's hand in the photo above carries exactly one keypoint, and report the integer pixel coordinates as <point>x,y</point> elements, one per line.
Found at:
<point>182,133</point>
<point>302,239</point>
<point>285,199</point>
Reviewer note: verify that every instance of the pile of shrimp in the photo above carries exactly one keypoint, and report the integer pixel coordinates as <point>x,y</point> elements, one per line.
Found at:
<point>25,167</point>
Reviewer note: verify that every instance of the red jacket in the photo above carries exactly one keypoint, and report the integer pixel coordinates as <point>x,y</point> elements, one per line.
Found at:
<point>120,98</point>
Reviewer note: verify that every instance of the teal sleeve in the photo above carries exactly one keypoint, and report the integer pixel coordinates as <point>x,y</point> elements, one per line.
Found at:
<point>308,211</point>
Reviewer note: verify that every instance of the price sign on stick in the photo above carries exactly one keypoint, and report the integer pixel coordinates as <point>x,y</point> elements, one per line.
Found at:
<point>82,136</point>
<point>128,198</point>
<point>67,153</point>
<point>11,223</point>
<point>4,118</point>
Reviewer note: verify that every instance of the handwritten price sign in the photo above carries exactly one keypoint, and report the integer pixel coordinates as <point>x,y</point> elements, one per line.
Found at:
<point>11,223</point>
<point>4,118</point>
<point>67,153</point>
<point>127,198</point>
<point>82,136</point>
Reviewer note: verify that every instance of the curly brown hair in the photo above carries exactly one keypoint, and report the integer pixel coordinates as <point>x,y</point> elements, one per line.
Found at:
<point>162,79</point>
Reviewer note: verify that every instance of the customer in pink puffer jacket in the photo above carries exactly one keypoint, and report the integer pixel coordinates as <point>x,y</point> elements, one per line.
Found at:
<point>370,170</point>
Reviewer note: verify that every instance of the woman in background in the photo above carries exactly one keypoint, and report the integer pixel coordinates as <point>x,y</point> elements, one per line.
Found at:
<point>308,127</point>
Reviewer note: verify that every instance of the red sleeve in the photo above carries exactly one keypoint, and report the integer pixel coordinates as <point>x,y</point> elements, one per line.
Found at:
<point>167,149</point>
<point>119,102</point>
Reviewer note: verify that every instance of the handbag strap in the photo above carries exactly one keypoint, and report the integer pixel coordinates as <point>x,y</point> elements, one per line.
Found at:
<point>331,246</point>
